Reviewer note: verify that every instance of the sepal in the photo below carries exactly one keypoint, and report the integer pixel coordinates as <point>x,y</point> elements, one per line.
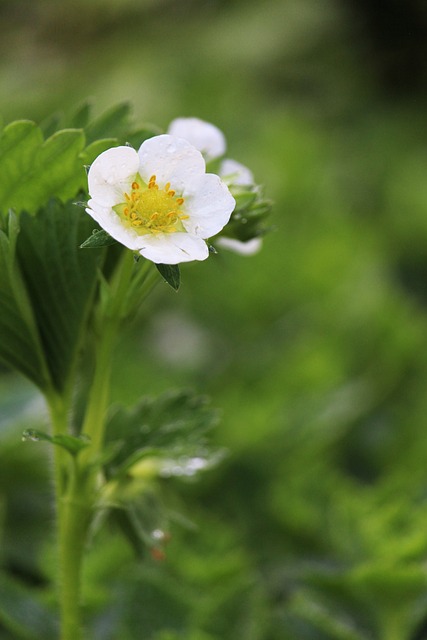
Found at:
<point>72,444</point>
<point>248,219</point>
<point>170,274</point>
<point>98,239</point>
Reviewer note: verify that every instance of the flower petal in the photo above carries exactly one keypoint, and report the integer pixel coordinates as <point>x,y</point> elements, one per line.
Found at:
<point>111,174</point>
<point>112,224</point>
<point>234,173</point>
<point>206,137</point>
<point>248,248</point>
<point>209,205</point>
<point>173,248</point>
<point>170,159</point>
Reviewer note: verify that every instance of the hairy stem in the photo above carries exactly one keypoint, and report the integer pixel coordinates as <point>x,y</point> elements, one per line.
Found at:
<point>76,477</point>
<point>72,522</point>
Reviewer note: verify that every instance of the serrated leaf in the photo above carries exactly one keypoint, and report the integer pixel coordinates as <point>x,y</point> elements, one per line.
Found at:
<point>32,171</point>
<point>171,274</point>
<point>19,144</point>
<point>60,280</point>
<point>79,119</point>
<point>95,148</point>
<point>137,137</point>
<point>111,123</point>
<point>52,124</point>
<point>20,345</point>
<point>173,425</point>
<point>98,239</point>
<point>59,172</point>
<point>71,444</point>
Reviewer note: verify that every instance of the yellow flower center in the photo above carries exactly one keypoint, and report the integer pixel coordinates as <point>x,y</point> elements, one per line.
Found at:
<point>148,209</point>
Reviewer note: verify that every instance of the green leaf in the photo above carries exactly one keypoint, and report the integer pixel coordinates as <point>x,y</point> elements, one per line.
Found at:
<point>70,443</point>
<point>80,117</point>
<point>95,148</point>
<point>333,624</point>
<point>60,280</point>
<point>58,172</point>
<point>137,137</point>
<point>127,523</point>
<point>167,605</point>
<point>98,239</point>
<point>171,274</point>
<point>52,124</point>
<point>19,144</point>
<point>32,171</point>
<point>173,426</point>
<point>20,613</point>
<point>112,123</point>
<point>20,345</point>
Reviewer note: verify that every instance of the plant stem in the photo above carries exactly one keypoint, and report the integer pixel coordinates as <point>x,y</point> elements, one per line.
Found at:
<point>72,521</point>
<point>75,482</point>
<point>76,476</point>
<point>126,285</point>
<point>94,421</point>
<point>107,327</point>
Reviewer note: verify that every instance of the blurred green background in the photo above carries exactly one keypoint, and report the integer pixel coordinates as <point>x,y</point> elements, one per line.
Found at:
<point>315,524</point>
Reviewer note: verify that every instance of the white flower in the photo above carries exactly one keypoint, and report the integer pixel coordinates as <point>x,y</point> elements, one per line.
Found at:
<point>210,141</point>
<point>159,201</point>
<point>206,137</point>
<point>248,248</point>
<point>234,173</point>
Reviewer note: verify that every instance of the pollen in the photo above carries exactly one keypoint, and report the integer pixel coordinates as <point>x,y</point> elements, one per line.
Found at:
<point>150,209</point>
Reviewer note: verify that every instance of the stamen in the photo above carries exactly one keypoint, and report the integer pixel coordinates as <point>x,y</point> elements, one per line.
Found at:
<point>151,210</point>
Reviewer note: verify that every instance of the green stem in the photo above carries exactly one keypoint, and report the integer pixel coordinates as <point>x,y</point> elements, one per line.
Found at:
<point>76,477</point>
<point>58,409</point>
<point>94,421</point>
<point>72,522</point>
<point>124,287</point>
<point>107,328</point>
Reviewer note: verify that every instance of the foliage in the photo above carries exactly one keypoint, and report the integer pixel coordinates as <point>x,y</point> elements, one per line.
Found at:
<point>314,525</point>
